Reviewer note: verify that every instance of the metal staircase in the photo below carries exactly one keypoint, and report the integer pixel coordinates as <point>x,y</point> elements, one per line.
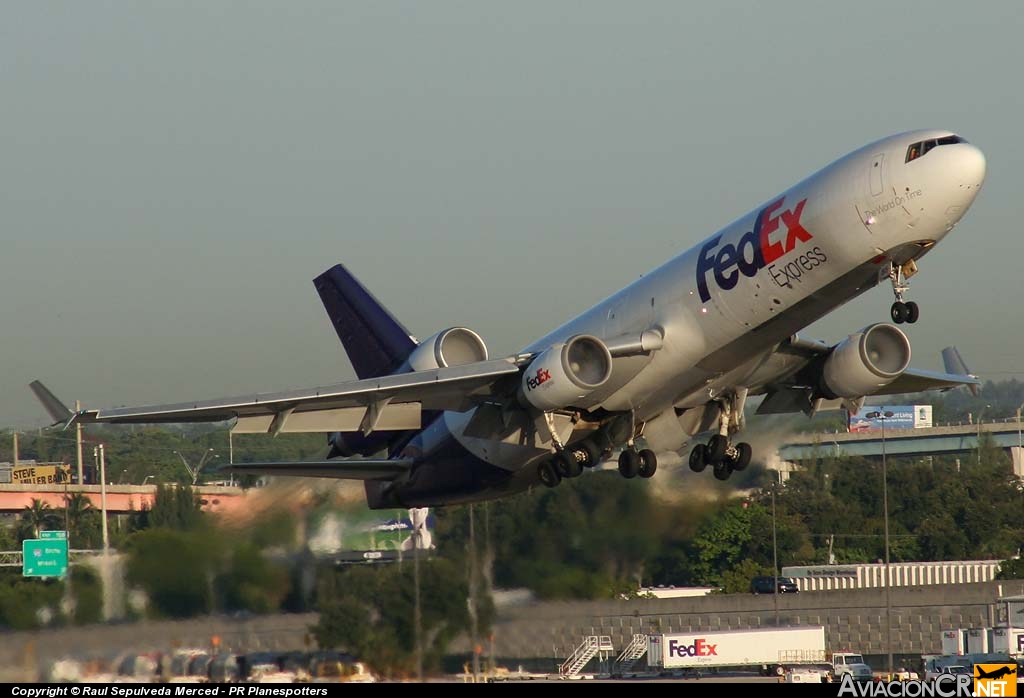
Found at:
<point>629,656</point>
<point>590,648</point>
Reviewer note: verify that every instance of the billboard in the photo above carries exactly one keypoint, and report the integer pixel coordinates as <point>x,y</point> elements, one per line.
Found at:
<point>903,417</point>
<point>51,474</point>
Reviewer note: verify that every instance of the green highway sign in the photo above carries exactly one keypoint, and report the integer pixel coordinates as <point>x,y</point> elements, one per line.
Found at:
<point>51,535</point>
<point>44,558</point>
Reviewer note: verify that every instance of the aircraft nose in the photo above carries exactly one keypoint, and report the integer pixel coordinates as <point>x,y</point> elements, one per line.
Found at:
<point>965,173</point>
<point>970,168</point>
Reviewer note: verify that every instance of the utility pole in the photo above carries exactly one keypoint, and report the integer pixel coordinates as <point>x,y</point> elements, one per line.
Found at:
<point>78,442</point>
<point>103,501</point>
<point>15,435</point>
<point>474,631</point>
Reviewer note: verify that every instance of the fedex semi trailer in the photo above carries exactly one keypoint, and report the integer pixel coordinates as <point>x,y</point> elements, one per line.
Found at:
<point>770,650</point>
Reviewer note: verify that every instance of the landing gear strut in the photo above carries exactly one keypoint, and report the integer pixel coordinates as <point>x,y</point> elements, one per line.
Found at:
<point>901,311</point>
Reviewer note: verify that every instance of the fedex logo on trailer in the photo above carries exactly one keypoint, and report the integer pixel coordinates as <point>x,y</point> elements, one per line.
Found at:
<point>756,249</point>
<point>699,648</point>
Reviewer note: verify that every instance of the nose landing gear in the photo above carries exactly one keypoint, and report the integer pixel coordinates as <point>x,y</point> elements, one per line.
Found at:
<point>901,311</point>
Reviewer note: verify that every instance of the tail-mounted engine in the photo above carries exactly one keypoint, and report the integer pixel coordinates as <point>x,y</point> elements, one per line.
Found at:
<point>865,361</point>
<point>452,347</point>
<point>565,374</point>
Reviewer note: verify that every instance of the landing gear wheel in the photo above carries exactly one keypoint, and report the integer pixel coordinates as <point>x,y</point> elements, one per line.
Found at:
<point>716,448</point>
<point>593,454</point>
<point>648,463</point>
<point>548,475</point>
<point>567,465</point>
<point>742,458</point>
<point>629,463</point>
<point>722,471</point>
<point>913,312</point>
<point>699,458</point>
<point>898,312</point>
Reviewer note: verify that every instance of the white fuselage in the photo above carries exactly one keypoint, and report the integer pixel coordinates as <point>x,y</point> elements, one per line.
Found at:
<point>723,305</point>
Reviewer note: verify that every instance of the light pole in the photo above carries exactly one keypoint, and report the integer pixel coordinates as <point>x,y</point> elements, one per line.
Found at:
<point>194,472</point>
<point>775,554</point>
<point>882,417</point>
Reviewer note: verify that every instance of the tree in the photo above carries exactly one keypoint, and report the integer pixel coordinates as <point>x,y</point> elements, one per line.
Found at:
<point>36,517</point>
<point>176,569</point>
<point>177,507</point>
<point>83,521</point>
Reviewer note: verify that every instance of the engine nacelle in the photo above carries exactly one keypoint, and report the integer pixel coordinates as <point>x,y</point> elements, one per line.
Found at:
<point>564,374</point>
<point>865,361</point>
<point>452,347</point>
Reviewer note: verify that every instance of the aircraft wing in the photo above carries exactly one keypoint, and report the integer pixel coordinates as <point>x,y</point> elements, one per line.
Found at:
<point>339,469</point>
<point>794,390</point>
<point>391,402</point>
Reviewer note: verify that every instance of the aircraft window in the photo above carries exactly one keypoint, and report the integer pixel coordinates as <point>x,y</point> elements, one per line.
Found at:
<point>920,149</point>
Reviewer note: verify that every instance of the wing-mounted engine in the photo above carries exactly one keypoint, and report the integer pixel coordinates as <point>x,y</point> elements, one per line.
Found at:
<point>451,347</point>
<point>565,374</point>
<point>864,362</point>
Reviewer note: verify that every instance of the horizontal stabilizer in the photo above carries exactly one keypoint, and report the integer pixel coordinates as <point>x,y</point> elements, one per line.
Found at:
<point>340,469</point>
<point>57,409</point>
<point>917,381</point>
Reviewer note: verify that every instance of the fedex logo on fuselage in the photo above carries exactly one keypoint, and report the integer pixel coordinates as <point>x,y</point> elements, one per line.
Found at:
<point>755,250</point>
<point>699,648</point>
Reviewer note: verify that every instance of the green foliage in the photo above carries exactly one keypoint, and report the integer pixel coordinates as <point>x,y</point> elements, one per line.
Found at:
<point>36,517</point>
<point>175,507</point>
<point>176,569</point>
<point>1011,569</point>
<point>252,582</point>
<point>87,590</point>
<point>25,603</point>
<point>369,612</point>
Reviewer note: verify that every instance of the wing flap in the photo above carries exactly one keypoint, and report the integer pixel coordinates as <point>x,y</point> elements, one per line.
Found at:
<point>352,469</point>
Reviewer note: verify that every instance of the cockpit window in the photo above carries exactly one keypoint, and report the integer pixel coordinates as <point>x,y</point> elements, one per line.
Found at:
<point>921,148</point>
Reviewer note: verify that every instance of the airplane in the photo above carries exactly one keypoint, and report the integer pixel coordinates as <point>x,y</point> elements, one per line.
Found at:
<point>671,356</point>
<point>999,673</point>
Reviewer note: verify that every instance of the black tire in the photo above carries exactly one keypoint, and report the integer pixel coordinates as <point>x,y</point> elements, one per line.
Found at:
<point>716,448</point>
<point>699,458</point>
<point>593,454</point>
<point>567,465</point>
<point>913,312</point>
<point>898,312</point>
<point>722,471</point>
<point>548,475</point>
<point>648,463</point>
<point>629,463</point>
<point>743,454</point>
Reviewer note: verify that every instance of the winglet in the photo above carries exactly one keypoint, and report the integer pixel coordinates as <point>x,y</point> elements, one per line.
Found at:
<point>57,409</point>
<point>954,363</point>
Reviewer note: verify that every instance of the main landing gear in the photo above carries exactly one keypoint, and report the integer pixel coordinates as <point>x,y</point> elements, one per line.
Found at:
<point>719,452</point>
<point>901,311</point>
<point>724,457</point>
<point>570,462</point>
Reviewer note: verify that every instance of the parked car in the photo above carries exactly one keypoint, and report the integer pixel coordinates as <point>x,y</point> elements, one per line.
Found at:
<point>766,585</point>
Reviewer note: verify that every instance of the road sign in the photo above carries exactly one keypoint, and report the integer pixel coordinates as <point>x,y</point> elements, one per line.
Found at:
<point>52,535</point>
<point>44,558</point>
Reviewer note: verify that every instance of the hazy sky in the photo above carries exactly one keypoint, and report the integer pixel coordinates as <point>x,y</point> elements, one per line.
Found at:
<point>175,174</point>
